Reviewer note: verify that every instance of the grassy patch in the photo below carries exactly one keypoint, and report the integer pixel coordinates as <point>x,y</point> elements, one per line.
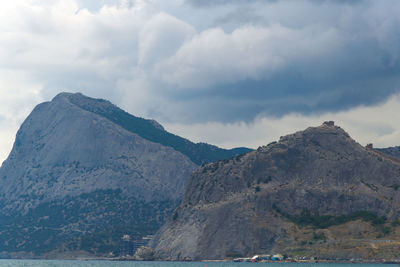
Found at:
<point>319,236</point>
<point>306,218</point>
<point>395,186</point>
<point>199,153</point>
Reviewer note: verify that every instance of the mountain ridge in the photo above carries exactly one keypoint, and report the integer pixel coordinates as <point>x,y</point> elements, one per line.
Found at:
<point>392,151</point>
<point>151,130</point>
<point>76,180</point>
<point>258,203</point>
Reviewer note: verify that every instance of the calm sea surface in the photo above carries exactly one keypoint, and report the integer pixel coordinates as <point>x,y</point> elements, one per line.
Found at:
<point>41,263</point>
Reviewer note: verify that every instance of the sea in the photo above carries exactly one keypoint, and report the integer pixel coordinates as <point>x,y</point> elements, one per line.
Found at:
<point>75,263</point>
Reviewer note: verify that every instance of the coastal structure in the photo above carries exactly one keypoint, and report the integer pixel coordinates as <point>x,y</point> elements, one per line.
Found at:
<point>129,246</point>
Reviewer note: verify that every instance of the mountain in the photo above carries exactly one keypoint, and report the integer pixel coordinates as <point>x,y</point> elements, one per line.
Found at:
<point>391,151</point>
<point>83,172</point>
<point>316,193</point>
<point>151,130</point>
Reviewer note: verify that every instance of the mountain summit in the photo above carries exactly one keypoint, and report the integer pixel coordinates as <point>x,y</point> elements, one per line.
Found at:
<point>83,172</point>
<point>291,196</point>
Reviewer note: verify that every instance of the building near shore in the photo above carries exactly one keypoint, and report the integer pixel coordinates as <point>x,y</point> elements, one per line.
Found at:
<point>129,245</point>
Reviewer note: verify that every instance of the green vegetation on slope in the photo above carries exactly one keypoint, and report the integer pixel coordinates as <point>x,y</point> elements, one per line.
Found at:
<point>391,151</point>
<point>94,222</point>
<point>306,218</point>
<point>199,153</point>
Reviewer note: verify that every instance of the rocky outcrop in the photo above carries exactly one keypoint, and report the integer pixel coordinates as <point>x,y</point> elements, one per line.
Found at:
<point>144,254</point>
<point>83,172</point>
<point>245,205</point>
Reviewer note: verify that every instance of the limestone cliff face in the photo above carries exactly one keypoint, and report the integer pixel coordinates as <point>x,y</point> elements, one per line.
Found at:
<point>240,206</point>
<point>83,172</point>
<point>63,150</point>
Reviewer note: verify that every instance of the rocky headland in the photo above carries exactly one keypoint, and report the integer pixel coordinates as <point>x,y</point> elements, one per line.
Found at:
<point>316,192</point>
<point>82,173</point>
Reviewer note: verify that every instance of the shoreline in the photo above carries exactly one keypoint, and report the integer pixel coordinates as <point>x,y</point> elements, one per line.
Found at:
<point>239,260</point>
<point>346,261</point>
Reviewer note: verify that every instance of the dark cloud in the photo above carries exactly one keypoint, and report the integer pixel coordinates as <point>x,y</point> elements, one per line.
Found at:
<point>235,62</point>
<point>330,56</point>
<point>289,92</point>
<point>362,69</point>
<point>236,66</point>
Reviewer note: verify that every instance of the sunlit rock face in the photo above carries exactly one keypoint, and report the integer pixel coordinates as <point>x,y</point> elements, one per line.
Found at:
<point>77,180</point>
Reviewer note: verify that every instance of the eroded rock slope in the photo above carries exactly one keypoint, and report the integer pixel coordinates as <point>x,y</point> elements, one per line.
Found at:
<point>83,172</point>
<point>245,205</point>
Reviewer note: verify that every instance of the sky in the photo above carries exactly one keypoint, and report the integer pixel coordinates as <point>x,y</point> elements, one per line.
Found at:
<point>227,72</point>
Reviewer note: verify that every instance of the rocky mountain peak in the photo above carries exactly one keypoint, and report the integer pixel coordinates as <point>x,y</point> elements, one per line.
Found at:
<point>95,105</point>
<point>148,129</point>
<point>83,172</point>
<point>240,206</point>
<point>323,136</point>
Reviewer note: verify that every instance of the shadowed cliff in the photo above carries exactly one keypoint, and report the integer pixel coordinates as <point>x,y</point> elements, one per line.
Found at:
<point>250,204</point>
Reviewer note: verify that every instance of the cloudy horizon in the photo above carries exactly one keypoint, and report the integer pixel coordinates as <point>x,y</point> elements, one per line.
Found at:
<point>230,73</point>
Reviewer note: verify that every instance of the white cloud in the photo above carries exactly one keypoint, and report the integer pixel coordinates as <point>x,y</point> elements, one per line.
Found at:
<point>250,52</point>
<point>169,60</point>
<point>16,101</point>
<point>161,36</point>
<point>379,125</point>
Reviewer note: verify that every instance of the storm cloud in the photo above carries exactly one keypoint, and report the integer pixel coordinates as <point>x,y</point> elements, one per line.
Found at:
<point>200,62</point>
